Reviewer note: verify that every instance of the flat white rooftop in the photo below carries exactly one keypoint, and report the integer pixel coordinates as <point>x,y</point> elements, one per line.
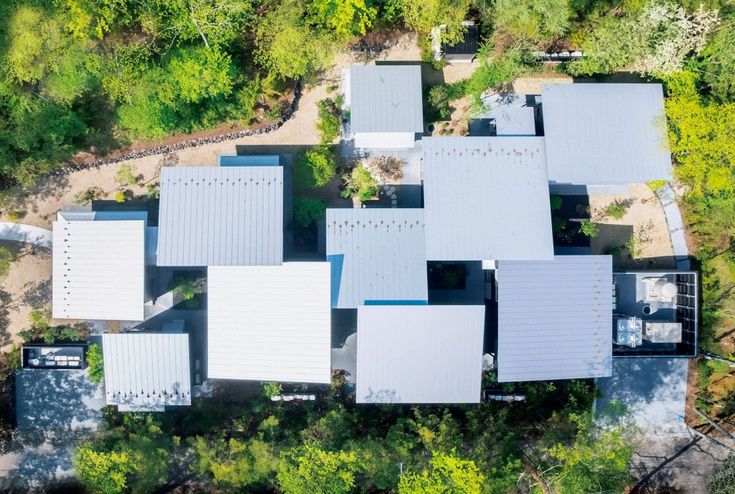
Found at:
<point>419,353</point>
<point>98,270</point>
<point>605,134</point>
<point>270,323</point>
<point>486,198</point>
<point>555,318</point>
<point>376,254</point>
<point>146,371</point>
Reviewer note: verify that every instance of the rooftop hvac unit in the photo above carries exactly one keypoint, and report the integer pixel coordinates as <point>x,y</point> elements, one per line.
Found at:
<point>659,289</point>
<point>662,332</point>
<point>629,332</point>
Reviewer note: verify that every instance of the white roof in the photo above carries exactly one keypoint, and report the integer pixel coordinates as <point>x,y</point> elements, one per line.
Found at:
<point>555,318</point>
<point>386,98</point>
<point>605,134</point>
<point>486,198</point>
<point>221,216</point>
<point>419,353</point>
<point>269,323</point>
<point>146,371</point>
<point>377,254</point>
<point>99,270</point>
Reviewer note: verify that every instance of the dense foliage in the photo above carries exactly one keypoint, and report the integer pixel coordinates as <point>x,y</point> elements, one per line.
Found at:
<point>332,445</point>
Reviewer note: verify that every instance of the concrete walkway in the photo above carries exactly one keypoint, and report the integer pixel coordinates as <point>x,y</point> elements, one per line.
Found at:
<point>19,232</point>
<point>676,226</point>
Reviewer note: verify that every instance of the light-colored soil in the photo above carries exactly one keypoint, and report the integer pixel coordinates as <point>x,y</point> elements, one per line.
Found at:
<point>532,84</point>
<point>28,283</point>
<point>27,286</point>
<point>645,218</point>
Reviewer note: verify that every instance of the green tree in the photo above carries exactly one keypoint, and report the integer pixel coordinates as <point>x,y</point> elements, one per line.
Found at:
<point>308,469</point>
<point>288,47</point>
<point>701,137</point>
<point>344,18</point>
<point>596,461</point>
<point>34,40</point>
<point>359,183</point>
<point>427,15</point>
<point>723,480</point>
<point>315,168</point>
<point>95,364</point>
<point>307,211</point>
<point>329,124</point>
<point>214,22</point>
<point>654,41</point>
<point>448,473</point>
<point>195,74</point>
<point>589,228</point>
<point>235,464</point>
<point>533,19</point>
<point>719,62</point>
<point>123,67</point>
<point>101,471</point>
<point>126,175</point>
<point>91,18</point>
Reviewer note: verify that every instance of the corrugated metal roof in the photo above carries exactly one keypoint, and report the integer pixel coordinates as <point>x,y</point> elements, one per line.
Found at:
<point>605,133</point>
<point>419,354</point>
<point>229,216</point>
<point>376,254</point>
<point>486,198</point>
<point>269,323</point>
<point>98,270</point>
<point>386,98</point>
<point>555,318</point>
<point>146,371</point>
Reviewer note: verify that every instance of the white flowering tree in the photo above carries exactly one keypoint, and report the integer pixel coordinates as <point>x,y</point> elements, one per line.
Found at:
<point>671,35</point>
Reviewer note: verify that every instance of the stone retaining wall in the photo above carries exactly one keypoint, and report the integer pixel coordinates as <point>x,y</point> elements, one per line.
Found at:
<point>201,141</point>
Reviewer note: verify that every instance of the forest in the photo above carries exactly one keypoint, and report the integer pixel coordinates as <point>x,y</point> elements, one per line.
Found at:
<point>88,77</point>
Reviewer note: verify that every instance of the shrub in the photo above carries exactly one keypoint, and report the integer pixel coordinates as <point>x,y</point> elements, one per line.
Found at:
<point>634,244</point>
<point>655,185</point>
<point>271,389</point>
<point>152,191</point>
<point>89,195</point>
<point>385,168</point>
<point>307,211</point>
<point>6,257</point>
<point>120,196</point>
<point>95,368</point>
<point>16,215</point>
<point>438,101</point>
<point>315,168</point>
<point>617,209</point>
<point>589,228</point>
<point>556,202</point>
<point>329,124</point>
<point>126,175</point>
<point>359,183</point>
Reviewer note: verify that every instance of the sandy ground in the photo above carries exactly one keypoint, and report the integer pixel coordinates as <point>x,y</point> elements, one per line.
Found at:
<point>645,218</point>
<point>27,286</point>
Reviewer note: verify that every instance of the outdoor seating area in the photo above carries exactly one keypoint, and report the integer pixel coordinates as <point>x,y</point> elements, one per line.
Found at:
<point>53,357</point>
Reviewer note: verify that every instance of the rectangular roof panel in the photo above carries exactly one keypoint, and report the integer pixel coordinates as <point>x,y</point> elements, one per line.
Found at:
<point>98,270</point>
<point>146,371</point>
<point>486,198</point>
<point>386,98</point>
<point>269,323</point>
<point>419,353</point>
<point>555,318</point>
<point>221,216</point>
<point>376,254</point>
<point>605,134</point>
